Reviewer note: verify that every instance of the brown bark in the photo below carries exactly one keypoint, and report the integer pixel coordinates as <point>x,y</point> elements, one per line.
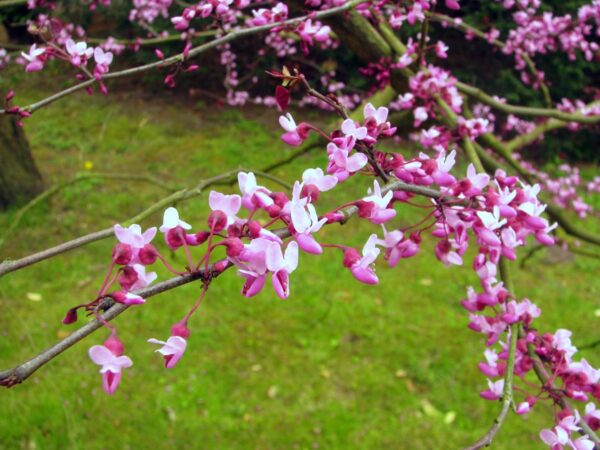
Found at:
<point>20,179</point>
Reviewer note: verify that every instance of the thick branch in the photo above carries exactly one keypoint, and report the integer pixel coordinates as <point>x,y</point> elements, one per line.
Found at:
<point>524,110</point>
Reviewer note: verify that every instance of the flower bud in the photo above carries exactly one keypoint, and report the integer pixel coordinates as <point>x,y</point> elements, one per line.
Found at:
<point>364,208</point>
<point>180,329</point>
<point>333,217</point>
<point>175,237</point>
<point>148,254</point>
<point>274,211</point>
<point>122,254</point>
<point>311,192</point>
<point>128,277</point>
<point>351,257</point>
<point>254,228</point>
<point>217,221</point>
<point>234,247</point>
<point>234,231</point>
<point>221,265</point>
<point>70,317</point>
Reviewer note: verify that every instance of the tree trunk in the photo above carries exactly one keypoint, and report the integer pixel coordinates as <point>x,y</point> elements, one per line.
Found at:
<point>20,179</point>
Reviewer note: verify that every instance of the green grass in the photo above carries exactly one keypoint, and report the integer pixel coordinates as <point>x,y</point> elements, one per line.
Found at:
<point>337,366</point>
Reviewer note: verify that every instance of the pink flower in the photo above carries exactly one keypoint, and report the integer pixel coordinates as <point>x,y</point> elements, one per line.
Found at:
<point>172,350</point>
<point>478,180</point>
<point>380,213</point>
<point>79,52</point>
<point>340,164</point>
<point>253,195</point>
<point>305,223</point>
<point>132,241</point>
<point>281,266</point>
<point>295,134</point>
<point>555,439</point>
<point>35,58</point>
<point>349,128</point>
<point>495,390</point>
<point>316,177</point>
<point>361,267</point>
<point>229,205</point>
<point>110,357</point>
<point>103,60</point>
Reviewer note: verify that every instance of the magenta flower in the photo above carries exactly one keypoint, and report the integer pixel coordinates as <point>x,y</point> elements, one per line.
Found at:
<point>35,59</point>
<point>341,165</point>
<point>229,205</point>
<point>172,350</point>
<point>253,195</point>
<point>79,52</point>
<point>281,266</point>
<point>495,390</point>
<point>112,362</point>
<point>380,213</point>
<point>361,267</point>
<point>555,439</point>
<point>349,128</point>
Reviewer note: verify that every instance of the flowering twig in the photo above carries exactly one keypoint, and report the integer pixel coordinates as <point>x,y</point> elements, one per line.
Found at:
<point>507,392</point>
<point>183,194</point>
<point>21,372</point>
<point>180,57</point>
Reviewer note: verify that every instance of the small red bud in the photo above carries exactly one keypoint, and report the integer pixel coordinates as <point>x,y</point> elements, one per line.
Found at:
<point>364,208</point>
<point>122,254</point>
<point>351,257</point>
<point>180,329</point>
<point>254,229</point>
<point>148,254</point>
<point>217,221</point>
<point>70,317</point>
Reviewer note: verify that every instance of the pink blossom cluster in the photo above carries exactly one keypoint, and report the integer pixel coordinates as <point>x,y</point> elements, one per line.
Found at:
<point>148,10</point>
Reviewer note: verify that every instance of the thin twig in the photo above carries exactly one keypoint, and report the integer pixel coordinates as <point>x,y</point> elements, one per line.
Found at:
<point>79,177</point>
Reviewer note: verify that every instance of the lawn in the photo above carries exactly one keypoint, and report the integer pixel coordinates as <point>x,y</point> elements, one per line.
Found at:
<point>336,366</point>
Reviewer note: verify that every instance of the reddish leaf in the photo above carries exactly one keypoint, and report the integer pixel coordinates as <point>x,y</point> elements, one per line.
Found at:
<point>282,96</point>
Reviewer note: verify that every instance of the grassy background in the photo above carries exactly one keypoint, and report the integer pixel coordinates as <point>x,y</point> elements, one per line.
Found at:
<point>337,366</point>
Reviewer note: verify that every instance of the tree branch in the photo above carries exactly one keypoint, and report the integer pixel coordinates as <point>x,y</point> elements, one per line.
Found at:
<point>192,53</point>
<point>23,371</point>
<point>183,194</point>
